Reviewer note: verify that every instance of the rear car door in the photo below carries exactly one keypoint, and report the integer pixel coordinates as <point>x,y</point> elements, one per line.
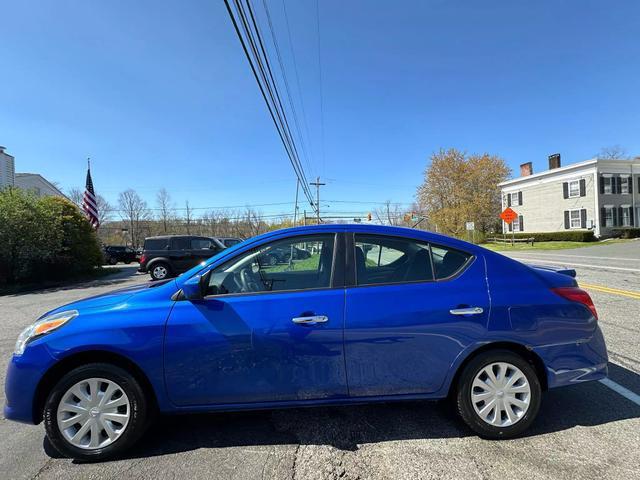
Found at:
<point>411,308</point>
<point>180,254</point>
<point>264,333</point>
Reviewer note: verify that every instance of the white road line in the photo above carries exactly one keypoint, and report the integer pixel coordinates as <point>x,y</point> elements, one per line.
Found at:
<point>550,255</point>
<point>626,393</point>
<point>572,264</point>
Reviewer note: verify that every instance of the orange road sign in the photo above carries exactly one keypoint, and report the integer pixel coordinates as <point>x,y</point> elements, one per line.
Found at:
<point>508,215</point>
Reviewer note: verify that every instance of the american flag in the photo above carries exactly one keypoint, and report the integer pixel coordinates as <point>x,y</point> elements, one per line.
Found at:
<point>89,204</point>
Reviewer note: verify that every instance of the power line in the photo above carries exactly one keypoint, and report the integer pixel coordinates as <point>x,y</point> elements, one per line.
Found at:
<point>320,81</point>
<point>269,92</point>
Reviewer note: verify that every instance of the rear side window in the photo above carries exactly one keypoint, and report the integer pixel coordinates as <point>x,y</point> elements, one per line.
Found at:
<point>447,261</point>
<point>156,243</point>
<point>381,259</point>
<point>180,243</point>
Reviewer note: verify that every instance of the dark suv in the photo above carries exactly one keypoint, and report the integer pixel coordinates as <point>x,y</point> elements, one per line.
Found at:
<point>168,256</point>
<point>117,253</point>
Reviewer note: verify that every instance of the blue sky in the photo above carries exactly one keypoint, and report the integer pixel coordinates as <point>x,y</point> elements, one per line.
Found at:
<point>159,93</point>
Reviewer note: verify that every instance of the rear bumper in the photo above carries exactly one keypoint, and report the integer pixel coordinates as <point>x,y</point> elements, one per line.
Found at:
<point>142,268</point>
<point>577,362</point>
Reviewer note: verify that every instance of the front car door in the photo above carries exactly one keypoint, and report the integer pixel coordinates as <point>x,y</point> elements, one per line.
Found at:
<point>264,333</point>
<point>202,248</point>
<point>411,308</point>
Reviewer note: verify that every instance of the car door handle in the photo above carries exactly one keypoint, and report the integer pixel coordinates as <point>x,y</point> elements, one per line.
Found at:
<point>466,311</point>
<point>312,320</point>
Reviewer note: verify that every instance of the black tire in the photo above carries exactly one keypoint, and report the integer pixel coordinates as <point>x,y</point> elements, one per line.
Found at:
<point>465,406</point>
<point>139,412</point>
<point>153,272</point>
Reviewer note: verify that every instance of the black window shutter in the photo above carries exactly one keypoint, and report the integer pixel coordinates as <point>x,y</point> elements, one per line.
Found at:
<point>510,226</point>
<point>583,187</point>
<point>521,223</point>
<point>565,190</point>
<point>631,216</point>
<point>629,184</point>
<point>519,198</point>
<point>567,225</point>
<point>614,213</point>
<point>583,218</point>
<point>603,217</point>
<point>620,216</point>
<point>508,199</point>
<point>618,185</point>
<point>601,184</point>
<point>638,184</point>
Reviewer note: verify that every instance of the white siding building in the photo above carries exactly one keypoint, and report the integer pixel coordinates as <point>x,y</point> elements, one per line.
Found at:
<point>599,195</point>
<point>7,169</point>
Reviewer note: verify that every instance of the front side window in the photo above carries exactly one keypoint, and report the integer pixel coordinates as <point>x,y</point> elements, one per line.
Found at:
<point>574,217</point>
<point>574,188</point>
<point>297,263</point>
<point>201,244</point>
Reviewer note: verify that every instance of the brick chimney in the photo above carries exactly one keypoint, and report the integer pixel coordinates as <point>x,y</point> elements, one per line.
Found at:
<point>526,169</point>
<point>554,161</point>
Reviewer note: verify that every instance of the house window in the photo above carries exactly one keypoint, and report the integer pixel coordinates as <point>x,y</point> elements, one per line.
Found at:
<point>608,216</point>
<point>574,188</point>
<point>515,225</point>
<point>626,218</point>
<point>574,218</point>
<point>624,185</point>
<point>515,199</point>
<point>608,184</point>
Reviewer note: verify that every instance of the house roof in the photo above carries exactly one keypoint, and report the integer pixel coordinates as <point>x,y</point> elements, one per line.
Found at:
<point>40,177</point>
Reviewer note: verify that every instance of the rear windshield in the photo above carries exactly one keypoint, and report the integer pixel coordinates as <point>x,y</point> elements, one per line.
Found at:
<point>156,243</point>
<point>230,242</point>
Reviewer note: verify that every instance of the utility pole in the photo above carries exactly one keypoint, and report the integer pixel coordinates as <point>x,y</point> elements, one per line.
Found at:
<point>317,184</point>
<point>295,209</point>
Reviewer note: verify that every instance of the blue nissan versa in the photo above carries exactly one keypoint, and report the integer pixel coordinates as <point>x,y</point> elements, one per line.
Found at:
<point>370,314</point>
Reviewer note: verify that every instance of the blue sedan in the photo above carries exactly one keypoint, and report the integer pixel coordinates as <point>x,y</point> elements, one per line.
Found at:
<point>370,314</point>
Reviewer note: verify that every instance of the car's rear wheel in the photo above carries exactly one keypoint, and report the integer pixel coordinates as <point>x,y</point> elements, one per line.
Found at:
<point>95,412</point>
<point>160,271</point>
<point>498,394</point>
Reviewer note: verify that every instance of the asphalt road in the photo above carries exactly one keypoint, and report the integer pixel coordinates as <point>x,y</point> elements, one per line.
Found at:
<point>583,432</point>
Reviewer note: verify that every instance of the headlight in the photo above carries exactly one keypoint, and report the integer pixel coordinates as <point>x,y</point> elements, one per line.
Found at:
<point>42,326</point>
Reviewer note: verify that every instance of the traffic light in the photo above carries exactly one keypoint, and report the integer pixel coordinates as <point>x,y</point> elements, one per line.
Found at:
<point>369,216</point>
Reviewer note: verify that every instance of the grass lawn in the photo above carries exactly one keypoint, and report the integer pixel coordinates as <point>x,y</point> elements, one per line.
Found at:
<point>502,247</point>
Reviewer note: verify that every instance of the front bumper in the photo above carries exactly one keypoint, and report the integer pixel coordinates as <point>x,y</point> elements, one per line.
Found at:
<point>23,377</point>
<point>568,364</point>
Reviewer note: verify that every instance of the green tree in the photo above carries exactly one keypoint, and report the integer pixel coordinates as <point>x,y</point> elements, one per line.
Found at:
<point>458,188</point>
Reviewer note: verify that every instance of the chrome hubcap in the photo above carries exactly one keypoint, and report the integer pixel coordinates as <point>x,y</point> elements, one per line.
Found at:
<point>500,394</point>
<point>93,413</point>
<point>160,272</point>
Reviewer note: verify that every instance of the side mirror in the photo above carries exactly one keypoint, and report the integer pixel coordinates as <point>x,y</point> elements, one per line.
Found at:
<point>196,287</point>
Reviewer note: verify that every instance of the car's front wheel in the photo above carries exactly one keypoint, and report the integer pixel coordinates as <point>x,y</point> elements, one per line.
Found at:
<point>498,394</point>
<point>95,412</point>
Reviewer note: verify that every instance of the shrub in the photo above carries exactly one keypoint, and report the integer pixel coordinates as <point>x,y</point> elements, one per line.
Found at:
<point>563,236</point>
<point>43,239</point>
<point>627,232</point>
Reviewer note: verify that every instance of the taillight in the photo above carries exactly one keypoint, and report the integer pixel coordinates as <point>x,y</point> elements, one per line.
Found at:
<point>575,294</point>
<point>143,258</point>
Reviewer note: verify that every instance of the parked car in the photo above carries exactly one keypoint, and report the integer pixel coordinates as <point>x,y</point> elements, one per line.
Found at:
<point>168,256</point>
<point>229,241</point>
<point>283,255</point>
<point>117,253</point>
<point>419,316</point>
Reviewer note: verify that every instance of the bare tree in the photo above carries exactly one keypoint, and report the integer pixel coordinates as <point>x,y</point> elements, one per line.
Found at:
<point>105,209</point>
<point>163,201</point>
<point>390,214</point>
<point>75,195</point>
<point>188,217</point>
<point>613,152</point>
<point>133,210</point>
